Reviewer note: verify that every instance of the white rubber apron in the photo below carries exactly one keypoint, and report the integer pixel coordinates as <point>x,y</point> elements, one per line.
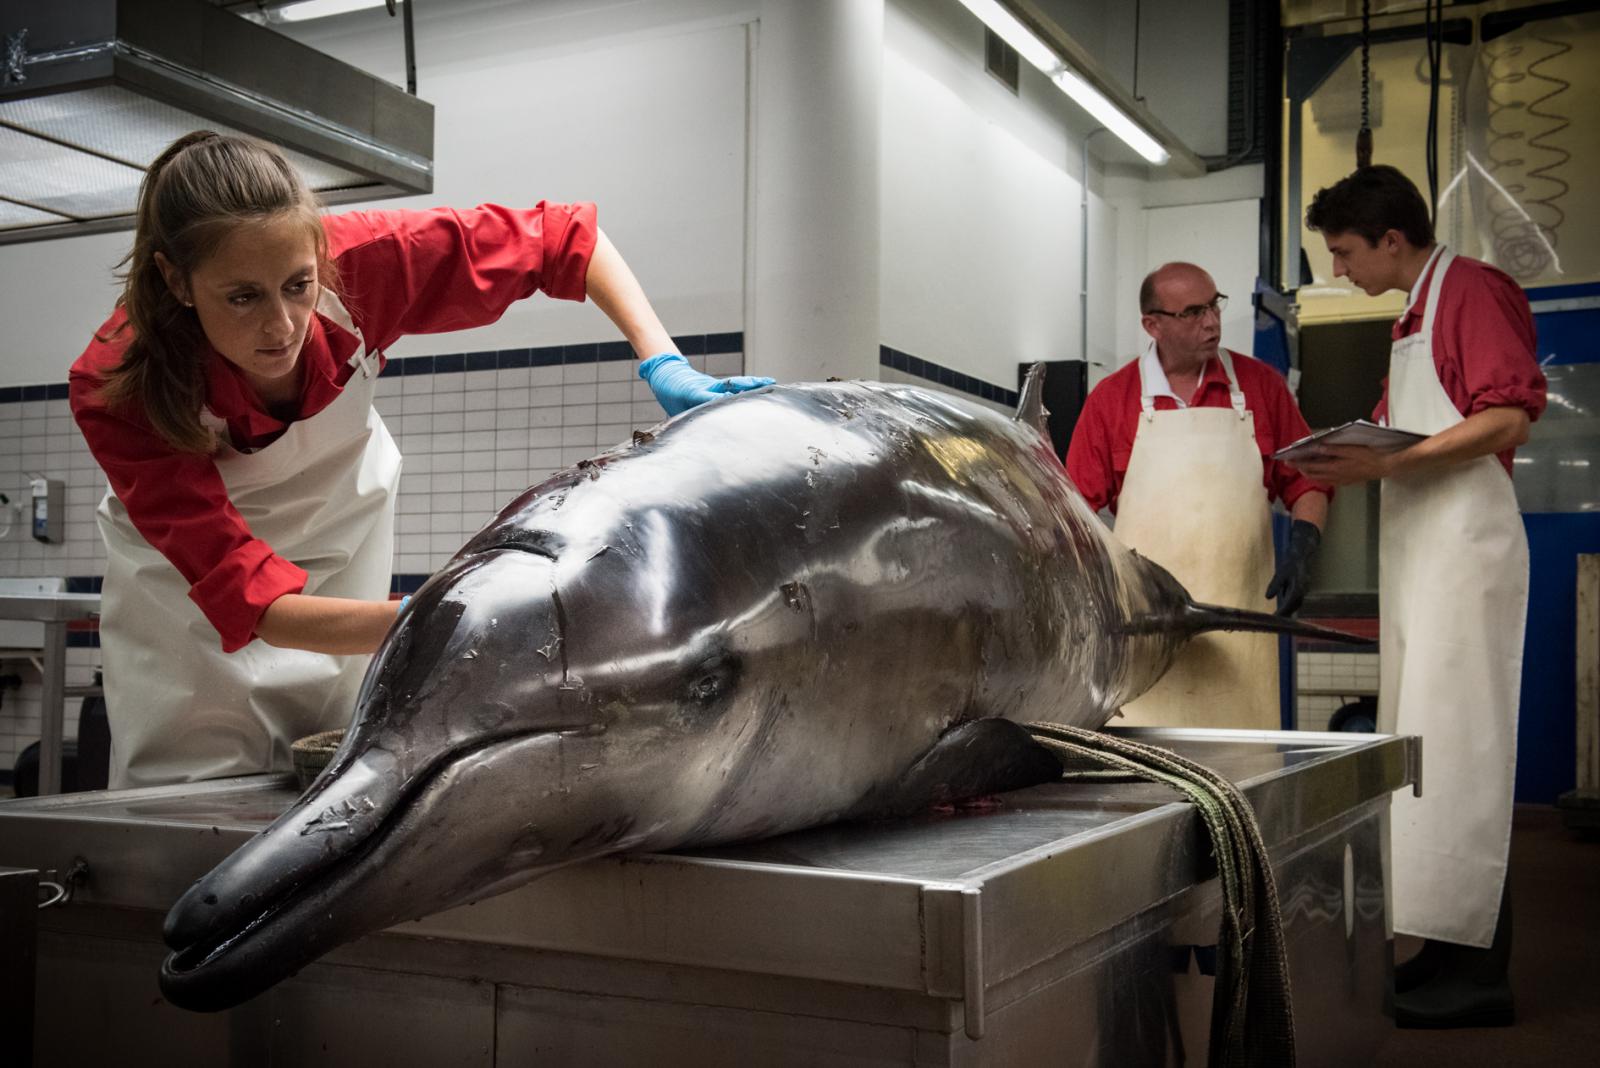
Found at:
<point>1453,588</point>
<point>180,708</point>
<point>1192,501</point>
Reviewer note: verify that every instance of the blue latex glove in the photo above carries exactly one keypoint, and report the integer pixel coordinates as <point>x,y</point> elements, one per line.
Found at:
<point>679,387</point>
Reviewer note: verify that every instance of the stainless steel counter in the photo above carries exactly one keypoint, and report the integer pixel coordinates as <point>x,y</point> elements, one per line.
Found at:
<point>1071,916</point>
<point>55,611</point>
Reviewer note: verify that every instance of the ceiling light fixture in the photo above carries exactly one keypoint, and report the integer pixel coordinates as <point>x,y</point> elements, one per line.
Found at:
<point>1010,29</point>
<point>321,9</point>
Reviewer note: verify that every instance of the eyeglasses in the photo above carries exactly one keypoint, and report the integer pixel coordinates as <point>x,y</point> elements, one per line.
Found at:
<point>1195,311</point>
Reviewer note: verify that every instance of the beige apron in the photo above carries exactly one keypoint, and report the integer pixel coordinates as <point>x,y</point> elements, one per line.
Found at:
<point>180,708</point>
<point>1193,502</point>
<point>1453,588</point>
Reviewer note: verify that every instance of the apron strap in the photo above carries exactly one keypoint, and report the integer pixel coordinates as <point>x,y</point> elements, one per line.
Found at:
<point>328,304</point>
<point>1235,394</point>
<point>1411,298</point>
<point>360,359</point>
<point>1147,401</point>
<point>1443,259</point>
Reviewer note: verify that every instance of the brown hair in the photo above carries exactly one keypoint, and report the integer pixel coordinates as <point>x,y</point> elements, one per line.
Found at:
<point>196,192</point>
<point>1371,202</point>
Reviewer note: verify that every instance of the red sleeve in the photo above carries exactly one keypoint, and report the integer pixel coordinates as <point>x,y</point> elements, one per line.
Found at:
<point>427,272</point>
<point>1491,334</point>
<point>178,502</point>
<point>1089,460</point>
<point>1285,426</point>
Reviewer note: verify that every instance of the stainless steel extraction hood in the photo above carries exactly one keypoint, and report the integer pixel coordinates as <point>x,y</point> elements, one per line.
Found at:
<point>92,90</point>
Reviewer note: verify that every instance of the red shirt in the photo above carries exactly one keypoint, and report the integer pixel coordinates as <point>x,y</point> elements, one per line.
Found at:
<point>400,272</point>
<point>1102,441</point>
<point>1483,342</point>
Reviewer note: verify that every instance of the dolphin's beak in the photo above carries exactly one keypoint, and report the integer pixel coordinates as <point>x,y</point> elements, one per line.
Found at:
<point>467,770</point>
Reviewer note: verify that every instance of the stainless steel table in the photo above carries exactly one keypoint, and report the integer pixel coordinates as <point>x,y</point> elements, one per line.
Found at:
<point>55,611</point>
<point>1074,922</point>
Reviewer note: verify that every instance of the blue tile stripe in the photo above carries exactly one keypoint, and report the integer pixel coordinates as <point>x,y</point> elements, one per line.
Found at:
<point>601,352</point>
<point>458,362</point>
<point>548,356</point>
<point>407,583</point>
<point>945,376</point>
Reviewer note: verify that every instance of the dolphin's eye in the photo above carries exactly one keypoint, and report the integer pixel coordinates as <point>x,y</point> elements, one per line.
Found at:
<point>712,678</point>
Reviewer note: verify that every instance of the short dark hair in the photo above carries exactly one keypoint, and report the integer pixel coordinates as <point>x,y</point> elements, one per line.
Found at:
<point>1371,202</point>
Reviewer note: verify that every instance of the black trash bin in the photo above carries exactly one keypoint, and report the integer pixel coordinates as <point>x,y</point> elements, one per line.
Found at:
<point>94,741</point>
<point>25,776</point>
<point>85,763</point>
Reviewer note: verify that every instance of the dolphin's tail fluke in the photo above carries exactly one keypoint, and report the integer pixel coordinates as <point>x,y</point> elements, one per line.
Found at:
<point>1188,619</point>
<point>1168,609</point>
<point>1199,618</point>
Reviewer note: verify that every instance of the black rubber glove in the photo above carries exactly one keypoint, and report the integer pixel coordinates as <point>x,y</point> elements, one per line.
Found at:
<point>1294,573</point>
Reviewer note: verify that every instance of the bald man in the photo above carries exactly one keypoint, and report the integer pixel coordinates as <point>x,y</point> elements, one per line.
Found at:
<point>1178,445</point>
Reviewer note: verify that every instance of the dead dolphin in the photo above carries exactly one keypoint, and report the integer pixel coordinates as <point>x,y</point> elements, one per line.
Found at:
<point>799,604</point>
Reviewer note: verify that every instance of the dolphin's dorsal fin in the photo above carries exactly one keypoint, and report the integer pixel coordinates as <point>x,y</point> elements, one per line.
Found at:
<point>1031,409</point>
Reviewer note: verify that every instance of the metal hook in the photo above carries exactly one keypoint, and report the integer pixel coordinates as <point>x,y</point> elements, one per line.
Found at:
<point>61,892</point>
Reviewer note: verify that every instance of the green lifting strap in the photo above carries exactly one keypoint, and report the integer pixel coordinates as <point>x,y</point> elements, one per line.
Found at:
<point>1252,1018</point>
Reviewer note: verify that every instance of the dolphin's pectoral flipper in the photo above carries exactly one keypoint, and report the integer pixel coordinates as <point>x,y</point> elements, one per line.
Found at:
<point>984,756</point>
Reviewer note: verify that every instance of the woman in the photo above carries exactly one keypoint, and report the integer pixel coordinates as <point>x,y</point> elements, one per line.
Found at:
<point>228,398</point>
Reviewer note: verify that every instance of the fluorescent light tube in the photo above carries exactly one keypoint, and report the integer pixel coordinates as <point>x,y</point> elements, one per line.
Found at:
<point>1015,34</point>
<point>320,9</point>
<point>1111,117</point>
<point>1010,30</point>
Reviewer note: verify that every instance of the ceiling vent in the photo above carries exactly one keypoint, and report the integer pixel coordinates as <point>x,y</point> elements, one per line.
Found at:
<point>91,91</point>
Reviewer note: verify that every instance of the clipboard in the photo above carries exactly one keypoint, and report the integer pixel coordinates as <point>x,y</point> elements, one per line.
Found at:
<point>1355,432</point>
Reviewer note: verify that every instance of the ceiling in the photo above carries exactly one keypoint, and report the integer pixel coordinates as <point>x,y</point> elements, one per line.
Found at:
<point>91,91</point>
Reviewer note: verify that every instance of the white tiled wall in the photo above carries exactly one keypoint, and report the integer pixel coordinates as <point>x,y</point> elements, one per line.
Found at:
<point>1353,675</point>
<point>38,437</point>
<point>474,440</point>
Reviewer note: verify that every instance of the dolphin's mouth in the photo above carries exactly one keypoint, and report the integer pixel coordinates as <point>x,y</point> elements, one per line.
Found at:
<point>202,952</point>
<point>222,967</point>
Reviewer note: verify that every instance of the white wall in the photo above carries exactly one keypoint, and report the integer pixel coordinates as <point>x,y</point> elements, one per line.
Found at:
<point>814,226</point>
<point>638,107</point>
<point>52,296</point>
<point>981,205</point>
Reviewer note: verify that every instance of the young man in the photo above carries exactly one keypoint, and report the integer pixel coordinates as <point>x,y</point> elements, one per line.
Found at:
<point>1453,585</point>
<point>1178,444</point>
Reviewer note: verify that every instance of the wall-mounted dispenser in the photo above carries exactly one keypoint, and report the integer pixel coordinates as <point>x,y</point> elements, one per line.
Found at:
<point>49,502</point>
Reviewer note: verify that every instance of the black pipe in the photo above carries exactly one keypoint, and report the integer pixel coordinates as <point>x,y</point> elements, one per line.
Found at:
<point>411,48</point>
